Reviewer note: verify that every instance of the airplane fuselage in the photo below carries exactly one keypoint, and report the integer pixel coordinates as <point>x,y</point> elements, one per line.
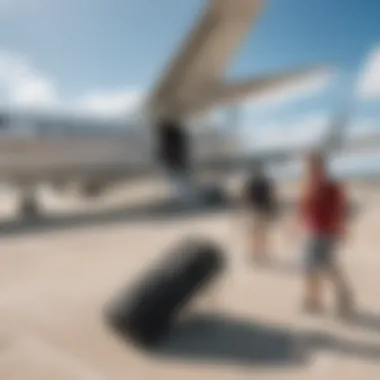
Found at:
<point>60,150</point>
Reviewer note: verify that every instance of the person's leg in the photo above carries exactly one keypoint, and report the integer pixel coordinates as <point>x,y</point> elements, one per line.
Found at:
<point>313,292</point>
<point>265,237</point>
<point>254,236</point>
<point>260,238</point>
<point>342,289</point>
<point>313,280</point>
<point>333,272</point>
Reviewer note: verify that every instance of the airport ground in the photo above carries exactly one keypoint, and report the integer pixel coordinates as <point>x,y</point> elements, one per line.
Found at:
<point>57,275</point>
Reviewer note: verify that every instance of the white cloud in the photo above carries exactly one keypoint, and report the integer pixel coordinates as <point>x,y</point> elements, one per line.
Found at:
<point>23,86</point>
<point>363,128</point>
<point>109,103</point>
<point>309,130</point>
<point>305,85</point>
<point>305,130</point>
<point>369,79</point>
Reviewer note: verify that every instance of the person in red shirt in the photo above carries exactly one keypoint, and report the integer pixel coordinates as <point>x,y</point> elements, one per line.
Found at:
<point>322,215</point>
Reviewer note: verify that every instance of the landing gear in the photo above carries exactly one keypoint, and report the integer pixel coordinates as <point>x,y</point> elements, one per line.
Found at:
<point>213,195</point>
<point>29,207</point>
<point>173,146</point>
<point>174,155</point>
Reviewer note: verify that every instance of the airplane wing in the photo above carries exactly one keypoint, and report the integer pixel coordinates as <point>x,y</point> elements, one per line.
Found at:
<point>227,93</point>
<point>193,82</point>
<point>204,56</point>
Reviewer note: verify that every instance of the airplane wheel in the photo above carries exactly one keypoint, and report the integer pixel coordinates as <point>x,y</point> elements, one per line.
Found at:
<point>144,313</point>
<point>29,208</point>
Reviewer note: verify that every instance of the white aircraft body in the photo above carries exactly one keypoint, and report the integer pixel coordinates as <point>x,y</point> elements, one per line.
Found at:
<point>62,150</point>
<point>58,149</point>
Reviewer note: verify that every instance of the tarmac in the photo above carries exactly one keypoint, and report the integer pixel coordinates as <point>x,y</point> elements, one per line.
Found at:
<point>57,275</point>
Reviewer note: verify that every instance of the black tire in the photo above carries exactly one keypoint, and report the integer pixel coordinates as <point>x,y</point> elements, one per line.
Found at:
<point>145,312</point>
<point>214,196</point>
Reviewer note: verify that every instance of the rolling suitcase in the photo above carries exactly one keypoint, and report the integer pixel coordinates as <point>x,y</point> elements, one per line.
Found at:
<point>144,313</point>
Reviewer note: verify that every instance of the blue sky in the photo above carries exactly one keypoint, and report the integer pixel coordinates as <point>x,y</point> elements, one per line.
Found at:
<point>97,43</point>
<point>298,32</point>
<point>108,42</point>
<point>109,50</point>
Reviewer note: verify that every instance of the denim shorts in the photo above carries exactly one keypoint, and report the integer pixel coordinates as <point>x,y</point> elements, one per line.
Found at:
<point>319,253</point>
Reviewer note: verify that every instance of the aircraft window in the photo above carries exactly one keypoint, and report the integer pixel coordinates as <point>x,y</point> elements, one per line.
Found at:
<point>4,122</point>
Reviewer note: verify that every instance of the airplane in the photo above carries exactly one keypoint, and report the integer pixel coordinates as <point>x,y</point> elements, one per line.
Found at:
<point>61,149</point>
<point>40,148</point>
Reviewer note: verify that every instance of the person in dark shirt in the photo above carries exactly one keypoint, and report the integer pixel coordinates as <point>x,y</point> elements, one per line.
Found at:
<point>260,202</point>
